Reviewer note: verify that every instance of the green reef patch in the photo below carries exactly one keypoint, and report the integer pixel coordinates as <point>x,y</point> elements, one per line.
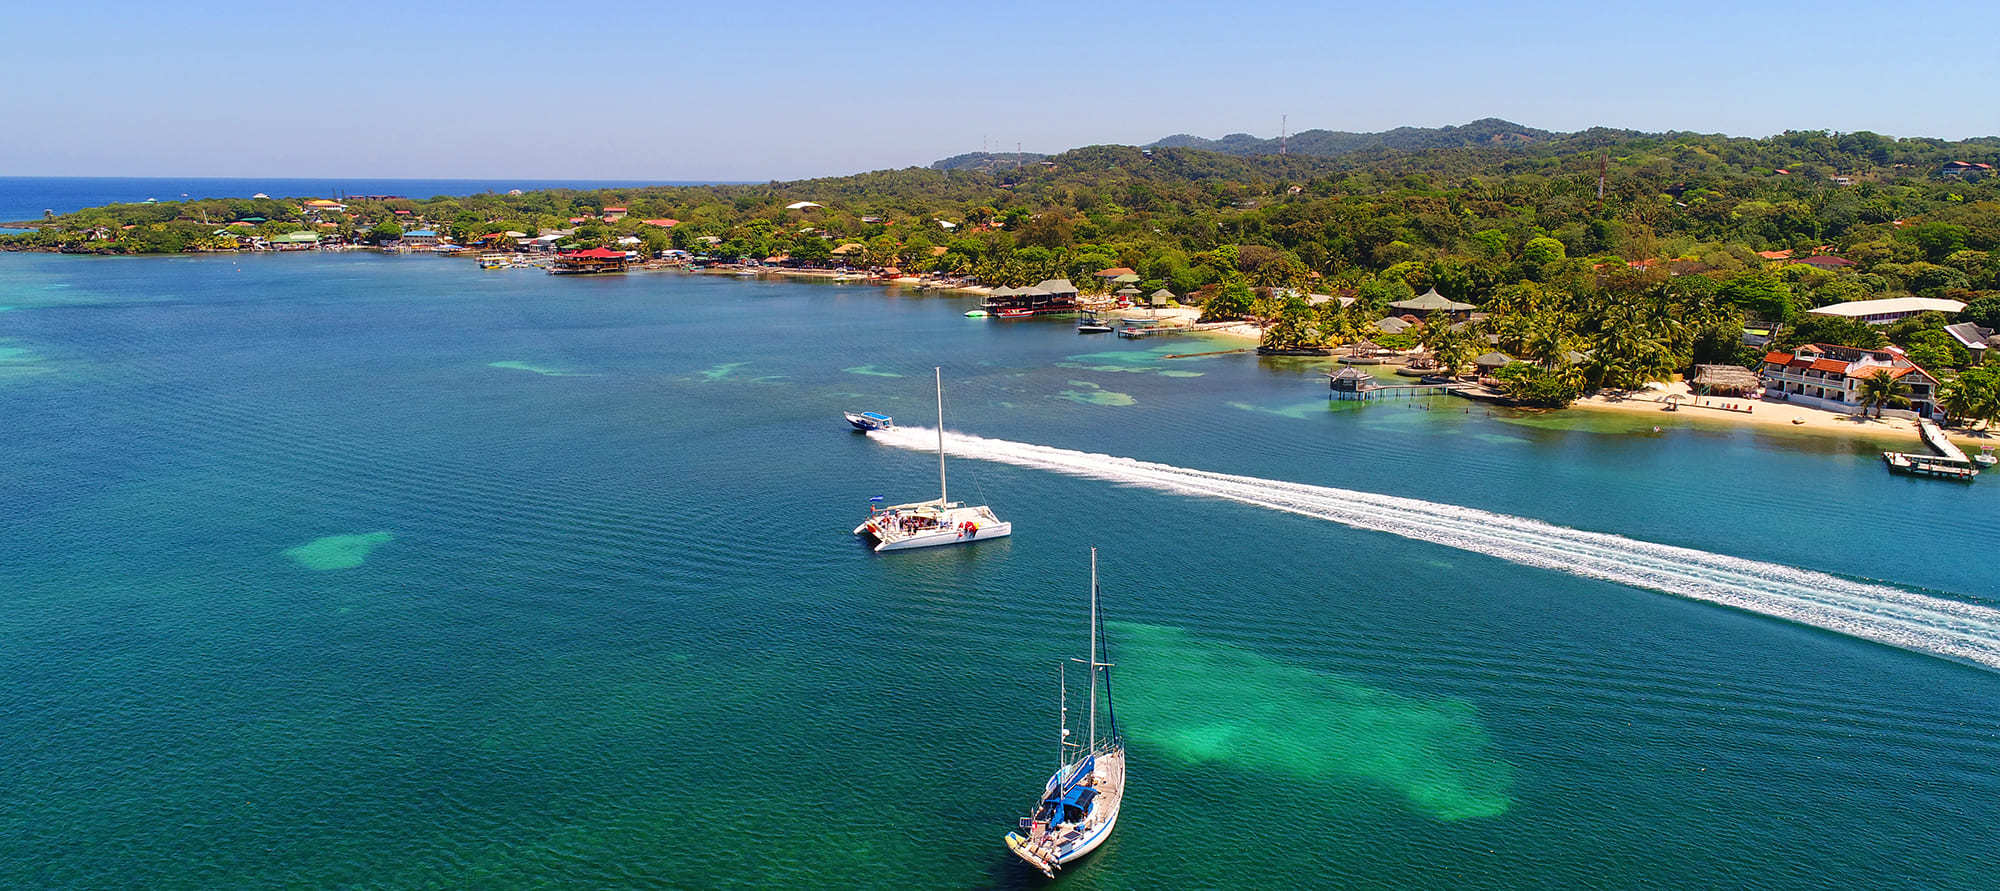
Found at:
<point>1092,394</point>
<point>870,371</point>
<point>337,551</point>
<point>532,369</point>
<point>1209,703</point>
<point>18,361</point>
<point>723,371</point>
<point>1298,412</point>
<point>1145,361</point>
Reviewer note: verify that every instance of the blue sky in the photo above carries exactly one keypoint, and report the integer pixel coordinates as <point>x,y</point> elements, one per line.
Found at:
<point>782,90</point>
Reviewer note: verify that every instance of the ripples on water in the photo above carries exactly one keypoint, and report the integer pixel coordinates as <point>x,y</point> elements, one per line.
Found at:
<point>366,570</point>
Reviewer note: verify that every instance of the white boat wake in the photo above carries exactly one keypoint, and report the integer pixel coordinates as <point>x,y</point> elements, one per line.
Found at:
<point>1936,626</point>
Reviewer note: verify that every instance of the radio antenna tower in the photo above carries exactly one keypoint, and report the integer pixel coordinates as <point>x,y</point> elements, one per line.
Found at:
<point>1284,134</point>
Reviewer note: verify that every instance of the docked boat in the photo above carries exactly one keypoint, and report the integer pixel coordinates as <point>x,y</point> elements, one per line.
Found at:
<point>865,421</point>
<point>1079,804</point>
<point>1016,313</point>
<point>1091,324</point>
<point>925,524</point>
<point>975,313</point>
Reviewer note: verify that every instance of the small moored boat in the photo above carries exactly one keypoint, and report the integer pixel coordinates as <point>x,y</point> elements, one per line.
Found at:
<point>869,420</point>
<point>975,313</point>
<point>1091,324</point>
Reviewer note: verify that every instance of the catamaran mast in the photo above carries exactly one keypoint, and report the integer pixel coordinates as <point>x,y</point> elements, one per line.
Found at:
<point>1093,649</point>
<point>943,493</point>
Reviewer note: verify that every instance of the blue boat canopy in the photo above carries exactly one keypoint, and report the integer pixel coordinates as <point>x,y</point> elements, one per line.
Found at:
<point>874,416</point>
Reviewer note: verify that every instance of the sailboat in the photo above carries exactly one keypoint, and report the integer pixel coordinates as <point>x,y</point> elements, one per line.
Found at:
<point>1079,805</point>
<point>927,523</point>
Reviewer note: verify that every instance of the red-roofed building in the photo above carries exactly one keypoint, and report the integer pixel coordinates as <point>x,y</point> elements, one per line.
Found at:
<point>664,224</point>
<point>1785,254</point>
<point>1827,376</point>
<point>614,214</point>
<point>589,261</point>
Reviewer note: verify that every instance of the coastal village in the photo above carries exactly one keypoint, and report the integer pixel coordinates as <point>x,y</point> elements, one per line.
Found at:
<point>1867,357</point>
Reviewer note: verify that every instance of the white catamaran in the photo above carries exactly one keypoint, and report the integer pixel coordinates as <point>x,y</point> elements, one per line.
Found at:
<point>928,523</point>
<point>1079,805</point>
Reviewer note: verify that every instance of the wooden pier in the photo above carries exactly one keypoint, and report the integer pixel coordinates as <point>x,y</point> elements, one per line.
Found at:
<point>1353,383</point>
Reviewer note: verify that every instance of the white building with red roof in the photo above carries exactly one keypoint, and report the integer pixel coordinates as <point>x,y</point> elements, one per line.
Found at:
<point>1828,376</point>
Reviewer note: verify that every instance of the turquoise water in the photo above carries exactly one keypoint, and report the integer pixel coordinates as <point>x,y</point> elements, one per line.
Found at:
<point>372,569</point>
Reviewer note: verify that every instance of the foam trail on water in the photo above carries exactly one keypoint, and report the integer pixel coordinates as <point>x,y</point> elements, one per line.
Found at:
<point>1899,618</point>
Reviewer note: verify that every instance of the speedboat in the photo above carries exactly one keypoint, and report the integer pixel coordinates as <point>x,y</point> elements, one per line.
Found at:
<point>865,421</point>
<point>923,524</point>
<point>1079,804</point>
<point>1016,313</point>
<point>975,313</point>
<point>1091,324</point>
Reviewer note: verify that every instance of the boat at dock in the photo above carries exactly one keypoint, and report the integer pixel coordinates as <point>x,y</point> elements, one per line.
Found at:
<point>1091,324</point>
<point>975,313</point>
<point>865,421</point>
<point>925,524</point>
<point>1925,465</point>
<point>1080,802</point>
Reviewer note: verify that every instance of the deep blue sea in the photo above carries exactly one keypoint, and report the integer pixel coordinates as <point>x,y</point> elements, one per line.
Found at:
<point>26,197</point>
<point>358,569</point>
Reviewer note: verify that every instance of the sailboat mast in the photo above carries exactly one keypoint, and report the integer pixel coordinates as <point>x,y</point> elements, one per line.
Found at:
<point>943,493</point>
<point>1062,713</point>
<point>1093,649</point>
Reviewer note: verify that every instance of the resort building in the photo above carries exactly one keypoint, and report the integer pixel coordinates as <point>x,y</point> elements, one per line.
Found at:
<point>420,237</point>
<point>590,261</point>
<point>1827,376</point>
<point>1892,309</point>
<point>1976,339</point>
<point>1052,296</point>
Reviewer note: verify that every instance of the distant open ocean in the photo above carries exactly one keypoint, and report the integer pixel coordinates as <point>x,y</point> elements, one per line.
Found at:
<point>26,197</point>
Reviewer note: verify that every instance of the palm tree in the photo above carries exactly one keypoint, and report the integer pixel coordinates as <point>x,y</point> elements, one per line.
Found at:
<point>1960,399</point>
<point>1882,388</point>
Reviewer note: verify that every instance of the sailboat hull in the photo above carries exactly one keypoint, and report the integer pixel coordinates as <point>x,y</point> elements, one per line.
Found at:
<point>946,537</point>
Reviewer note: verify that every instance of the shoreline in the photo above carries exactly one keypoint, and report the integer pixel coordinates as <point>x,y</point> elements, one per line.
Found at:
<point>1715,411</point>
<point>1771,415</point>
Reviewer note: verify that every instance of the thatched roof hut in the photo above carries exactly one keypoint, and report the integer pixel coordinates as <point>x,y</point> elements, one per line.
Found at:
<point>1492,360</point>
<point>1726,379</point>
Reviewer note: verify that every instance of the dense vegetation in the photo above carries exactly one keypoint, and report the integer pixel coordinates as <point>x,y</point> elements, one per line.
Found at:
<point>1659,272</point>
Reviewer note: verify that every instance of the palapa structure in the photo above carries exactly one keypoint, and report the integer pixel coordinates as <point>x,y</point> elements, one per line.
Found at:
<point>1429,302</point>
<point>1725,380</point>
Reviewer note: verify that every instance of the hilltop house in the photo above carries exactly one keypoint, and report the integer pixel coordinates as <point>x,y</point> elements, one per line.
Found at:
<point>614,214</point>
<point>1826,376</point>
<point>1976,339</point>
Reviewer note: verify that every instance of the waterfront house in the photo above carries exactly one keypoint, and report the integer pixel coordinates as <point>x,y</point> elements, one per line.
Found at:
<point>295,241</point>
<point>1890,309</point>
<point>590,261</point>
<point>420,237</point>
<point>1828,376</point>
<point>1161,297</point>
<point>1052,296</point>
